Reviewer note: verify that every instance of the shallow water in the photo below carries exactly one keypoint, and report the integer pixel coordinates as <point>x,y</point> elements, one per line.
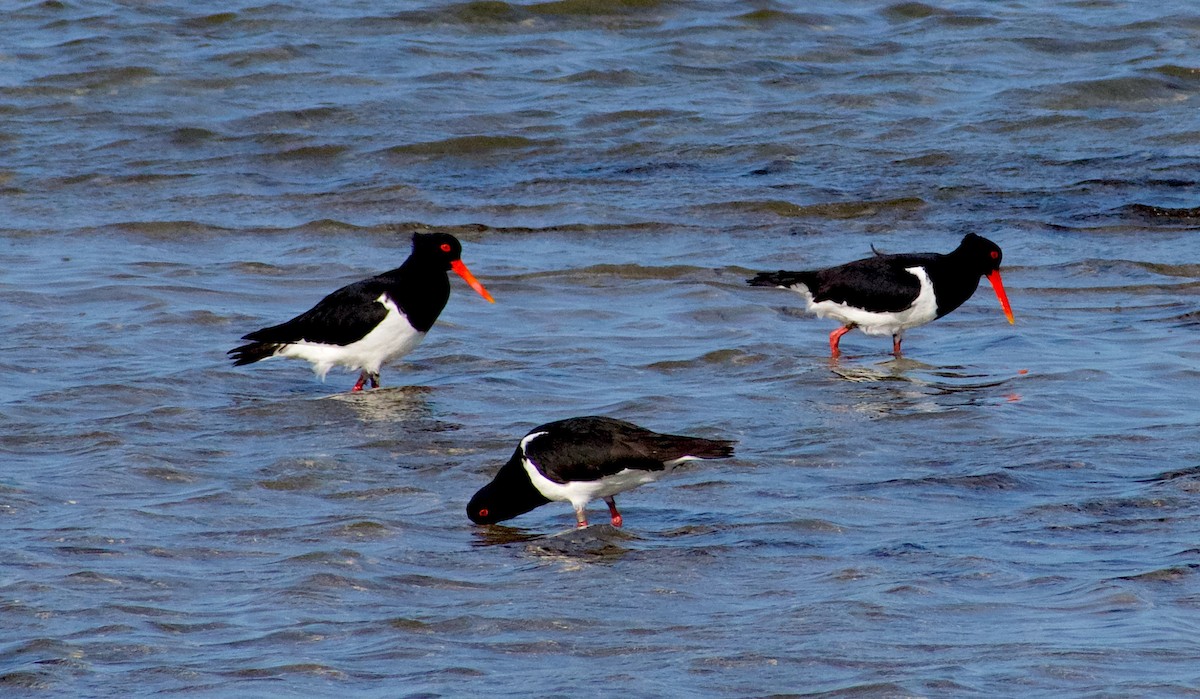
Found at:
<point>1008,510</point>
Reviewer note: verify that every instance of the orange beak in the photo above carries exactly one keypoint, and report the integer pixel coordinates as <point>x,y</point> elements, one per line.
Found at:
<point>994,278</point>
<point>461,270</point>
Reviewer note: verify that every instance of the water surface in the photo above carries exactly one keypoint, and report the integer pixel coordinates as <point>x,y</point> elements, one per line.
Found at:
<point>1008,510</point>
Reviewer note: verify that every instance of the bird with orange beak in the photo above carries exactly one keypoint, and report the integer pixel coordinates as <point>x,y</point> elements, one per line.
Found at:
<point>888,294</point>
<point>362,325</point>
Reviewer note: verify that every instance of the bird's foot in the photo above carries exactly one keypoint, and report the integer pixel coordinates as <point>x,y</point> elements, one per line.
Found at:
<point>834,338</point>
<point>612,511</point>
<point>363,378</point>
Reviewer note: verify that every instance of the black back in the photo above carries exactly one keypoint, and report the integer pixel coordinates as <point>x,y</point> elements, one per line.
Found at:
<point>590,448</point>
<point>882,283</point>
<point>582,449</point>
<point>419,287</point>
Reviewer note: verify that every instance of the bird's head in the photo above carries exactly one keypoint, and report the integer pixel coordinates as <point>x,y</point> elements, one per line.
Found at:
<point>987,256</point>
<point>445,250</point>
<point>510,493</point>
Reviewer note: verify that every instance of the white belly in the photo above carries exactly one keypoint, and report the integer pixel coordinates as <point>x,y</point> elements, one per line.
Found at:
<point>393,337</point>
<point>922,310</point>
<point>579,493</point>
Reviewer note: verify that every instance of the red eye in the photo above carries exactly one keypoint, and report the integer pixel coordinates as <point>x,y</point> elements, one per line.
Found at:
<point>445,247</point>
<point>483,513</point>
<point>994,253</point>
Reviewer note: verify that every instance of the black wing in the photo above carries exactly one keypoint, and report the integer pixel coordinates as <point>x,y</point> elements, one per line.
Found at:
<point>343,317</point>
<point>590,448</point>
<point>879,284</point>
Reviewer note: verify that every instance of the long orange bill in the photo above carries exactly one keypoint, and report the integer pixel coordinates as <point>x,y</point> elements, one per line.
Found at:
<point>994,278</point>
<point>461,270</point>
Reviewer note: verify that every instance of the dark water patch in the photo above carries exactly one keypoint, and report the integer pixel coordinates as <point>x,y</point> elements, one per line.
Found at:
<point>478,12</point>
<point>655,168</point>
<point>310,118</point>
<point>831,210</point>
<point>208,21</point>
<point>982,482</point>
<point>1190,473</point>
<point>1174,574</point>
<point>27,679</point>
<point>638,116</point>
<point>329,580</point>
<point>622,271</point>
<point>266,56</point>
<point>193,136</point>
<point>1186,73</point>
<point>1066,46</point>
<point>325,672</point>
<point>771,17</point>
<point>915,11</point>
<point>314,153</point>
<point>470,146</point>
<point>932,160</point>
<point>598,8</point>
<point>621,77</point>
<point>166,474</point>
<point>361,530</point>
<point>727,357</point>
<point>380,493</point>
<point>161,229</point>
<point>419,581</point>
<point>1131,92</point>
<point>906,11</point>
<point>100,78</point>
<point>774,167</point>
<point>1163,213</point>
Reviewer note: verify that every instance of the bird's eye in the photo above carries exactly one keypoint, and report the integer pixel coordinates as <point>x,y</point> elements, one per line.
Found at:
<point>445,247</point>
<point>483,512</point>
<point>994,253</point>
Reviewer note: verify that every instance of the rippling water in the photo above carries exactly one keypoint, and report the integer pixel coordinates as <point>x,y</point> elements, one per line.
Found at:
<point>1008,511</point>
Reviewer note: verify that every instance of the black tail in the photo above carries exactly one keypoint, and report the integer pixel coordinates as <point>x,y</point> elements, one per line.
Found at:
<point>780,278</point>
<point>677,446</point>
<point>253,352</point>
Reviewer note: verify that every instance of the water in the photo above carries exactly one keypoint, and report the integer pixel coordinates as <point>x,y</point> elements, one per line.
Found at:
<point>1009,510</point>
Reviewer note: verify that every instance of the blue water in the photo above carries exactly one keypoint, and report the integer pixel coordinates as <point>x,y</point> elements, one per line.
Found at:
<point>1006,511</point>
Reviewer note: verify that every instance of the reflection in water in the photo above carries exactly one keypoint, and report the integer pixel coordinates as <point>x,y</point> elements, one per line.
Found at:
<point>905,386</point>
<point>596,541</point>
<point>388,404</point>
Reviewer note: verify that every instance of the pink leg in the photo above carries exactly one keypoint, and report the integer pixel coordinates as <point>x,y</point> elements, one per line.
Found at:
<point>835,336</point>
<point>580,517</point>
<point>896,345</point>
<point>362,381</point>
<point>612,511</point>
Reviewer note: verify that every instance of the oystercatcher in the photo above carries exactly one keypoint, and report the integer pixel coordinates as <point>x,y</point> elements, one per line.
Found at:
<point>583,458</point>
<point>364,324</point>
<point>888,294</point>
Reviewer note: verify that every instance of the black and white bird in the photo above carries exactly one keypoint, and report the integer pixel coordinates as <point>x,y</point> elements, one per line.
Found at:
<point>362,325</point>
<point>583,458</point>
<point>888,294</point>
